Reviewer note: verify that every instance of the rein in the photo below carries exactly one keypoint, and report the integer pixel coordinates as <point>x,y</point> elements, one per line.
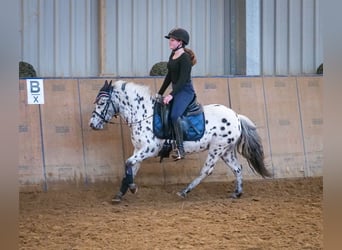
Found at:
<point>130,123</point>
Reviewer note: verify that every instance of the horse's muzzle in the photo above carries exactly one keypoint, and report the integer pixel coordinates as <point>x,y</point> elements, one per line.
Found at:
<point>92,125</point>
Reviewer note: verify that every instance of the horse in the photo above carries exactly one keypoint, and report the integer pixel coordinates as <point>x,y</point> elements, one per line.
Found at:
<point>226,134</point>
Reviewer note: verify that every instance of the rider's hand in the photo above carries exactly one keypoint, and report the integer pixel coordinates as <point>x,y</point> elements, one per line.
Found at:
<point>167,99</point>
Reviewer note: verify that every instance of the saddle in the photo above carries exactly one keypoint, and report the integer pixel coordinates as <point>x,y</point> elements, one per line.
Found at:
<point>192,121</point>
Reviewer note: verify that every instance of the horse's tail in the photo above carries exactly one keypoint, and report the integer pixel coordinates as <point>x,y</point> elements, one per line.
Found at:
<point>249,146</point>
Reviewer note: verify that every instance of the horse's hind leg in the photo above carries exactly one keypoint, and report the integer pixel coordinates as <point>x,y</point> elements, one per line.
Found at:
<point>207,169</point>
<point>230,158</point>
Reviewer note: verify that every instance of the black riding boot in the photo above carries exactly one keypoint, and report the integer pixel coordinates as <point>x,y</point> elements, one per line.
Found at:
<point>180,153</point>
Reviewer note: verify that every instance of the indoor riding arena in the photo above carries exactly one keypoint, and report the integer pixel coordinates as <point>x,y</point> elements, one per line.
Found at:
<point>69,173</point>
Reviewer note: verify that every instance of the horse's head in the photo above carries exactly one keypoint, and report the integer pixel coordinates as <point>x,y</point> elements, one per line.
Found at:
<point>104,107</point>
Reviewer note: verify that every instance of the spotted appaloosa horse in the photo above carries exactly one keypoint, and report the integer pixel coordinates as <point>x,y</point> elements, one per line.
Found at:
<point>226,133</point>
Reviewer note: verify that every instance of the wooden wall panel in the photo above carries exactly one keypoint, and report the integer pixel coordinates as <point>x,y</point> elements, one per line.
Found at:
<point>103,149</point>
<point>30,168</point>
<point>247,98</point>
<point>311,107</point>
<point>62,131</point>
<point>212,90</point>
<point>286,139</point>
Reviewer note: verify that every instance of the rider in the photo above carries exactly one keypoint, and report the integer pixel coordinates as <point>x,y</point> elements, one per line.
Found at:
<point>179,68</point>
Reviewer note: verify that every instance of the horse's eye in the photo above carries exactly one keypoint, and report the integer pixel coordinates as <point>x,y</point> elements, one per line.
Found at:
<point>101,102</point>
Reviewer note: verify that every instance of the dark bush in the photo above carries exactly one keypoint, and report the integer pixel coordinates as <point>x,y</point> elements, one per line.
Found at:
<point>320,69</point>
<point>26,70</point>
<point>159,69</point>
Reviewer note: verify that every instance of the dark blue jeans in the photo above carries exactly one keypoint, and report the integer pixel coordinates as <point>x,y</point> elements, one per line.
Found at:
<point>181,101</point>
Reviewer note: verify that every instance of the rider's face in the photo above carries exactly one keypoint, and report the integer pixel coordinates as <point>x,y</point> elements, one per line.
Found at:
<point>174,43</point>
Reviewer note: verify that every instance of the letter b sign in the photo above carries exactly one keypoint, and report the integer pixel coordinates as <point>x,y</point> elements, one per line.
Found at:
<point>35,91</point>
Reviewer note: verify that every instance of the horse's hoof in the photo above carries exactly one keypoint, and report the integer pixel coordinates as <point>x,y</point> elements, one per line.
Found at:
<point>133,188</point>
<point>181,194</point>
<point>117,199</point>
<point>235,195</point>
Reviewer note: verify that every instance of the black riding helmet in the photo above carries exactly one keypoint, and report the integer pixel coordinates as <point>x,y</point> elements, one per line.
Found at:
<point>179,34</point>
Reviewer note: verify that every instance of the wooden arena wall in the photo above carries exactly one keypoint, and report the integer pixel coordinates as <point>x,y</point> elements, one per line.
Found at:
<point>58,147</point>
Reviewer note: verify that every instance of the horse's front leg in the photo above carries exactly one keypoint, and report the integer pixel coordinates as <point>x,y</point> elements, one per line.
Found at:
<point>132,166</point>
<point>127,183</point>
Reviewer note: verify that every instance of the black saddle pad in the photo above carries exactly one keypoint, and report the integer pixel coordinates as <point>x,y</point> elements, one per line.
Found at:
<point>193,121</point>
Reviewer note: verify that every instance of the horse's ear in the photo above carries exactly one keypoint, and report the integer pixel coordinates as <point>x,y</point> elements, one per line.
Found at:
<point>110,83</point>
<point>106,83</point>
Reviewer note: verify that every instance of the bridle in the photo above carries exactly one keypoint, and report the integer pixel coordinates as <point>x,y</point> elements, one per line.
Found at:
<point>109,102</point>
